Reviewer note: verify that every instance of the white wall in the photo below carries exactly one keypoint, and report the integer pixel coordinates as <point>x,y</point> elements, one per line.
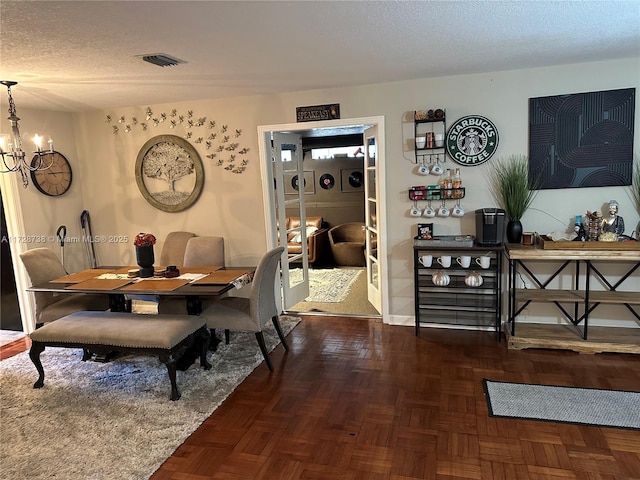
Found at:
<point>231,204</point>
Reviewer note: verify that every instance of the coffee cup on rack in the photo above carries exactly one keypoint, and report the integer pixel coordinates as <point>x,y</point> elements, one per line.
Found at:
<point>443,211</point>
<point>428,212</point>
<point>457,211</point>
<point>484,261</point>
<point>421,141</point>
<point>415,211</point>
<point>444,260</point>
<point>464,261</point>
<point>439,140</point>
<point>423,170</point>
<point>425,260</point>
<point>437,169</point>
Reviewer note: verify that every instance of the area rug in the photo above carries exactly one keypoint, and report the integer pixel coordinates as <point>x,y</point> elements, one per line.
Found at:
<point>8,336</point>
<point>583,406</point>
<point>327,285</point>
<point>111,420</point>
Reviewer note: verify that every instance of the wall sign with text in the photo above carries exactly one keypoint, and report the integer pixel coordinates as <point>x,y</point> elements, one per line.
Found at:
<point>318,112</point>
<point>472,140</point>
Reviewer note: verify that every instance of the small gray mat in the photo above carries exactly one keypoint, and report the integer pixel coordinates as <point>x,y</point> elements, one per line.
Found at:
<point>584,406</point>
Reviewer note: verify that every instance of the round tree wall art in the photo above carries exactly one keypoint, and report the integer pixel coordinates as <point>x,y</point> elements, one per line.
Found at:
<point>169,173</point>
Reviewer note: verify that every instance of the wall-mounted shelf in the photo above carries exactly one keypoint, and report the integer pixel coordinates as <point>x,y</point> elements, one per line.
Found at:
<point>432,124</point>
<point>424,193</point>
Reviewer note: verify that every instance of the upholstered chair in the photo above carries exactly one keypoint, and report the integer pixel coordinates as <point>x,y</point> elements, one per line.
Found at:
<point>347,243</point>
<point>252,314</point>
<point>201,251</point>
<point>174,248</point>
<point>42,266</point>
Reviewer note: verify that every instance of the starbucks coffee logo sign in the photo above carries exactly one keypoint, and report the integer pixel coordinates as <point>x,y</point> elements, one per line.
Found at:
<point>472,140</point>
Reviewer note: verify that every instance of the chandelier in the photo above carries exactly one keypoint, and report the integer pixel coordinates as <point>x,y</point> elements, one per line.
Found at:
<point>13,156</point>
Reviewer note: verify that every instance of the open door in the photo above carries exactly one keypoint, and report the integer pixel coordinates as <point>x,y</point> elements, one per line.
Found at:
<point>288,178</point>
<point>281,160</point>
<point>374,292</point>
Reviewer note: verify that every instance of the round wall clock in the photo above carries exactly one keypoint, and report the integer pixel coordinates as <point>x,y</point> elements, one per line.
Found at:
<point>472,140</point>
<point>55,180</point>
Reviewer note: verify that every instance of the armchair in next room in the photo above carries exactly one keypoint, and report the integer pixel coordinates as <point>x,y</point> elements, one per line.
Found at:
<point>317,238</point>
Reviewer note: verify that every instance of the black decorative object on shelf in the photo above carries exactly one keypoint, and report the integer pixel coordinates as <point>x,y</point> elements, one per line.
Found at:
<point>582,139</point>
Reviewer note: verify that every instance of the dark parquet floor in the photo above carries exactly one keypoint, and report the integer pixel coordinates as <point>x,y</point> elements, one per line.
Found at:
<point>358,400</point>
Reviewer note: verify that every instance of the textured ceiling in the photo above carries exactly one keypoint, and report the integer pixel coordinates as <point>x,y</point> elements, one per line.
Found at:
<point>81,55</point>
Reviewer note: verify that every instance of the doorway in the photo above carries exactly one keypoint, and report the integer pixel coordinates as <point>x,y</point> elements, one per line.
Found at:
<point>10,308</point>
<point>371,131</point>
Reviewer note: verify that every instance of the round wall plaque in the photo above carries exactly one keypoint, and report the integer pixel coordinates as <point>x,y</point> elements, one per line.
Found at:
<point>472,140</point>
<point>169,173</point>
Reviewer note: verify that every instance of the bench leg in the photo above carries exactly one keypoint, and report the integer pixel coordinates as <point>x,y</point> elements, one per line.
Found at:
<point>34,355</point>
<point>170,361</point>
<point>205,338</point>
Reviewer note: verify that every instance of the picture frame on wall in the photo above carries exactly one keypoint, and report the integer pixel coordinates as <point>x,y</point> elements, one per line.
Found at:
<point>351,180</point>
<point>582,139</point>
<point>292,184</point>
<point>169,173</point>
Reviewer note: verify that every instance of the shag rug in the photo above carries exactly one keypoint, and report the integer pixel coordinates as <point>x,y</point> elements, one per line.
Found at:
<point>112,420</point>
<point>8,336</point>
<point>327,285</point>
<point>583,406</point>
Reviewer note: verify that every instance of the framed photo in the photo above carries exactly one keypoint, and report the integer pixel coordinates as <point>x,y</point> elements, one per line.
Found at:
<point>425,231</point>
<point>351,180</point>
<point>169,173</point>
<point>292,183</point>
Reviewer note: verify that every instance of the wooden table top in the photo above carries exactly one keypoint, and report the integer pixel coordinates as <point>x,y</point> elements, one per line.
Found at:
<point>86,282</point>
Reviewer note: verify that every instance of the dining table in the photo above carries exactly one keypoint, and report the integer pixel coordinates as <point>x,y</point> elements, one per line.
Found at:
<point>121,283</point>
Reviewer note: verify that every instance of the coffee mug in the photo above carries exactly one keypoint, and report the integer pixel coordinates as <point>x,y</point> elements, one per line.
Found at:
<point>437,169</point>
<point>423,170</point>
<point>457,211</point>
<point>443,211</point>
<point>420,142</point>
<point>415,211</point>
<point>429,212</point>
<point>484,261</point>
<point>464,261</point>
<point>425,260</point>
<point>445,261</point>
<point>439,139</point>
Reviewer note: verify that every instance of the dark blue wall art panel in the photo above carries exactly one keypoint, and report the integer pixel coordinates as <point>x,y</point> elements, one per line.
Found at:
<point>582,139</point>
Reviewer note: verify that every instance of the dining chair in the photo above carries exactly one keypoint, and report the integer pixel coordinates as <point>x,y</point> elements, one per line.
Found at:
<point>174,247</point>
<point>42,266</point>
<point>199,252</point>
<point>203,251</point>
<point>251,314</point>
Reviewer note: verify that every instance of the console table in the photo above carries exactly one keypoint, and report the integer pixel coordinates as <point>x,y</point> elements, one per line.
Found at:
<point>590,286</point>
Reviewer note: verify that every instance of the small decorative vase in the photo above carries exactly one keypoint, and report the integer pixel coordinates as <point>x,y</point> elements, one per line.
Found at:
<point>145,259</point>
<point>514,231</point>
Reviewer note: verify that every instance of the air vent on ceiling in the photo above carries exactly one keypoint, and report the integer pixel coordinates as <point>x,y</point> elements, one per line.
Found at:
<point>161,59</point>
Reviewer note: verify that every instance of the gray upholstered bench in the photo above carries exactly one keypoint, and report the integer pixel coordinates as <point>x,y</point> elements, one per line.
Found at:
<point>165,336</point>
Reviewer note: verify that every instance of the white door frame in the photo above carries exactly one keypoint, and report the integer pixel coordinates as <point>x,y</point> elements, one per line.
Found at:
<point>267,177</point>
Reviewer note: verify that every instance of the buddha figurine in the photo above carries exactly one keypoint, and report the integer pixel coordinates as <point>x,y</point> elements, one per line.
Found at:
<point>613,222</point>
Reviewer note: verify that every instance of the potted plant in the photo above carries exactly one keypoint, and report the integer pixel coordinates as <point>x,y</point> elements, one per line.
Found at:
<point>635,191</point>
<point>514,191</point>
